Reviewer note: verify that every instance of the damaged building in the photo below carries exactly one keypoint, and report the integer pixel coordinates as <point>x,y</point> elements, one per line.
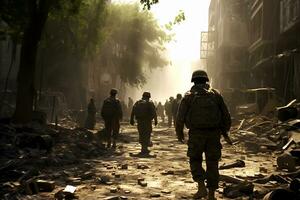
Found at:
<point>256,45</point>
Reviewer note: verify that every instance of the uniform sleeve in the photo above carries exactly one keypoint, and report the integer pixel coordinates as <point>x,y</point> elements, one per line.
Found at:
<point>154,114</point>
<point>181,116</point>
<point>226,118</point>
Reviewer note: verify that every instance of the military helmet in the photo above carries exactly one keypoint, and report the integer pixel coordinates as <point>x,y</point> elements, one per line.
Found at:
<point>179,96</point>
<point>147,94</point>
<point>199,74</point>
<point>113,91</point>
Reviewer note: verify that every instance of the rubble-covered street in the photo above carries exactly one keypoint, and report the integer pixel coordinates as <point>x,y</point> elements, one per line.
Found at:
<point>248,169</point>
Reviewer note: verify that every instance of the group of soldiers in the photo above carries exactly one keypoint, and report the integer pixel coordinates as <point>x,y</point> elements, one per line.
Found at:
<point>202,110</point>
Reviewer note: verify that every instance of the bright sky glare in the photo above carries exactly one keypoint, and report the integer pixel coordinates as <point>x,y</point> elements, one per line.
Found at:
<point>183,52</point>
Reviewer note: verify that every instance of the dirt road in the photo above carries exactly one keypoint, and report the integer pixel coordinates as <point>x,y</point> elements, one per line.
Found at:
<point>164,175</point>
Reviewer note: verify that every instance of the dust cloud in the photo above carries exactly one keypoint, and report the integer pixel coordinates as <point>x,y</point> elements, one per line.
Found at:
<point>183,52</point>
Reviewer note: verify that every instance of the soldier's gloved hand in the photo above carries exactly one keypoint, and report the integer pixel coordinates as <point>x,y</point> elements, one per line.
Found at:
<point>228,140</point>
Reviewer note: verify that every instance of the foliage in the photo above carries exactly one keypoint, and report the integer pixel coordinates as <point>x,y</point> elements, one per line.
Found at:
<point>177,20</point>
<point>133,41</point>
<point>148,3</point>
<point>16,14</point>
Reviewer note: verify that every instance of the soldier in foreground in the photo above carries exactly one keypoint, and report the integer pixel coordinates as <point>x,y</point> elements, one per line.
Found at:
<point>205,114</point>
<point>112,114</point>
<point>144,112</point>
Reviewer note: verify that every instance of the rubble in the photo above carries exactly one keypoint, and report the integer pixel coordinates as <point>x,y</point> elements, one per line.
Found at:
<point>237,163</point>
<point>238,190</point>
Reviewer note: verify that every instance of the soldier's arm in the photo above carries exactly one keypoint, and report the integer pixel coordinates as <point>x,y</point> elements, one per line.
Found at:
<point>180,118</point>
<point>154,113</point>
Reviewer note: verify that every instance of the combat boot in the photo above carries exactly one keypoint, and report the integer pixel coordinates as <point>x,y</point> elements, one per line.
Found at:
<point>211,194</point>
<point>202,192</point>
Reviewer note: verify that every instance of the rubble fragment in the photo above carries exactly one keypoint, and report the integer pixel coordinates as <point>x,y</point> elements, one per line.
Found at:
<point>237,163</point>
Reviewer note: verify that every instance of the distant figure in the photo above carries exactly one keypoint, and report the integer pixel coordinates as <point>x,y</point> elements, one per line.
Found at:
<point>144,112</point>
<point>168,109</point>
<point>91,115</point>
<point>125,110</point>
<point>130,103</point>
<point>205,114</point>
<point>112,114</point>
<point>161,111</point>
<point>175,106</point>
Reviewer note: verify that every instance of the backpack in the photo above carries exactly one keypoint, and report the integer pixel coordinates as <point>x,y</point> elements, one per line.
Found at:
<point>143,110</point>
<point>109,109</point>
<point>204,111</point>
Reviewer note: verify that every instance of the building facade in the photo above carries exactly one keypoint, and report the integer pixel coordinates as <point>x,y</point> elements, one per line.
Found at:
<point>228,34</point>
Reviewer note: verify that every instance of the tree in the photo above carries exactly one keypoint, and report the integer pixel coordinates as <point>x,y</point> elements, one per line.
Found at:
<point>26,20</point>
<point>133,41</point>
<point>69,43</point>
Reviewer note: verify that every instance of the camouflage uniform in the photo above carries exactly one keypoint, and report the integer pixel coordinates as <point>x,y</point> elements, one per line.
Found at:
<point>203,140</point>
<point>112,124</point>
<point>144,125</point>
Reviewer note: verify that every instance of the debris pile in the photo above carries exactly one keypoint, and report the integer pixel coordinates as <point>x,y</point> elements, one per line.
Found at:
<point>26,151</point>
<point>280,139</point>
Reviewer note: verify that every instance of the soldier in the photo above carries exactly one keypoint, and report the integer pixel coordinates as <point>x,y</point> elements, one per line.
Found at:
<point>144,112</point>
<point>161,112</point>
<point>91,116</point>
<point>112,113</point>
<point>168,109</point>
<point>205,114</point>
<point>175,106</point>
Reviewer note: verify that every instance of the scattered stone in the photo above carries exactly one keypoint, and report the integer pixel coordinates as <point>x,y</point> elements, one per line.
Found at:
<point>87,175</point>
<point>109,167</point>
<point>263,170</point>
<point>237,190</point>
<point>112,198</point>
<point>142,166</point>
<point>142,182</point>
<point>286,161</point>
<point>45,186</point>
<point>124,166</point>
<point>155,195</point>
<point>30,187</point>
<point>113,190</point>
<point>104,180</point>
<point>237,163</point>
<point>280,194</point>
<point>166,192</point>
<point>127,192</point>
<point>118,175</point>
<point>169,172</point>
